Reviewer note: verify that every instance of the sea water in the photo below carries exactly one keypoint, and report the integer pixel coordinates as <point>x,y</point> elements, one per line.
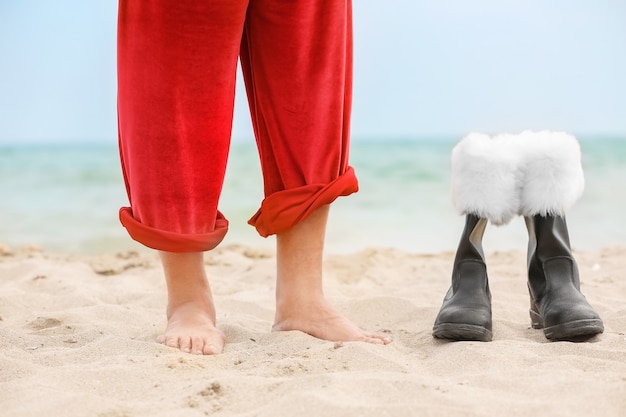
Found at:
<point>65,198</point>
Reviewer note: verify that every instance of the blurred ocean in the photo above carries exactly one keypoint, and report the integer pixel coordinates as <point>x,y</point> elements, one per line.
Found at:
<point>65,199</point>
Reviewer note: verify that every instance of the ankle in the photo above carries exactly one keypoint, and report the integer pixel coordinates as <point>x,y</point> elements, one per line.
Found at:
<point>201,306</point>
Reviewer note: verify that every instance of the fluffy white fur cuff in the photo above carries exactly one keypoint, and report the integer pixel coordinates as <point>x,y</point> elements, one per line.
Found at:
<point>553,173</point>
<point>530,173</point>
<point>486,178</point>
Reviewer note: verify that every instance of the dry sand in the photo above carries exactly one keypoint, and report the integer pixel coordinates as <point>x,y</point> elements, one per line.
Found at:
<point>77,339</point>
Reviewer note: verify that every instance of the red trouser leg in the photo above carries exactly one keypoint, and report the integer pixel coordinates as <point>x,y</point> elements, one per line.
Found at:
<point>176,78</point>
<point>297,62</point>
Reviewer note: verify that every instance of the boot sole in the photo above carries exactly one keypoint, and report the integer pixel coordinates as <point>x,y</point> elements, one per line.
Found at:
<point>573,331</point>
<point>462,332</point>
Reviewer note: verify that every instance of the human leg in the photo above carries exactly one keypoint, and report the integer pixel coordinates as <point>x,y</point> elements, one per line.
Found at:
<point>190,308</point>
<point>176,78</point>
<point>297,63</point>
<point>300,301</point>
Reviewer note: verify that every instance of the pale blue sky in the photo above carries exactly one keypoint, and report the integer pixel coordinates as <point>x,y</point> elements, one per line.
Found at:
<point>422,68</point>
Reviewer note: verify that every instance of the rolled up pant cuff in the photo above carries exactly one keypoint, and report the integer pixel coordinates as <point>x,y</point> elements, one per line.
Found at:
<point>284,209</point>
<point>172,241</point>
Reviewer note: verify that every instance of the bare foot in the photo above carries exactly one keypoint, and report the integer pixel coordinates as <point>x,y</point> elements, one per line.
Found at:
<point>191,311</point>
<point>192,329</point>
<point>324,322</point>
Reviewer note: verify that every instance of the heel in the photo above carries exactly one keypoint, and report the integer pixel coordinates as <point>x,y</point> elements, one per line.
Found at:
<point>536,321</point>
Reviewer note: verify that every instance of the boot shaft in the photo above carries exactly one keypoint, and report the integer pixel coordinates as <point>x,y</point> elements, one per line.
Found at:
<point>548,235</point>
<point>549,253</point>
<point>470,245</point>
<point>469,270</point>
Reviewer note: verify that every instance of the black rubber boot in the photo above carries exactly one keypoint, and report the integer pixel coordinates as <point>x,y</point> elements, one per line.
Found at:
<point>466,310</point>
<point>556,304</point>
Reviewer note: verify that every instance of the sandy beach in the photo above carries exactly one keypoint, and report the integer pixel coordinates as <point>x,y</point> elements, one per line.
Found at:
<point>77,339</point>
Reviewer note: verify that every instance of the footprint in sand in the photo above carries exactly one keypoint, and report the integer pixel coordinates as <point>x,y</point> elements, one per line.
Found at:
<point>42,323</point>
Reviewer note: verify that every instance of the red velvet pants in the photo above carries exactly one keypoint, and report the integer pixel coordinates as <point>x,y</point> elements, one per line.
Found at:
<point>177,63</point>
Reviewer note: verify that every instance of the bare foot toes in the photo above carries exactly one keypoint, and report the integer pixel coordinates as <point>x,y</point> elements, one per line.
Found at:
<point>378,339</point>
<point>192,330</point>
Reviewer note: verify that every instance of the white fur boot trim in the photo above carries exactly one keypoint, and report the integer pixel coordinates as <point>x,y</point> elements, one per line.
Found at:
<point>553,177</point>
<point>486,177</point>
